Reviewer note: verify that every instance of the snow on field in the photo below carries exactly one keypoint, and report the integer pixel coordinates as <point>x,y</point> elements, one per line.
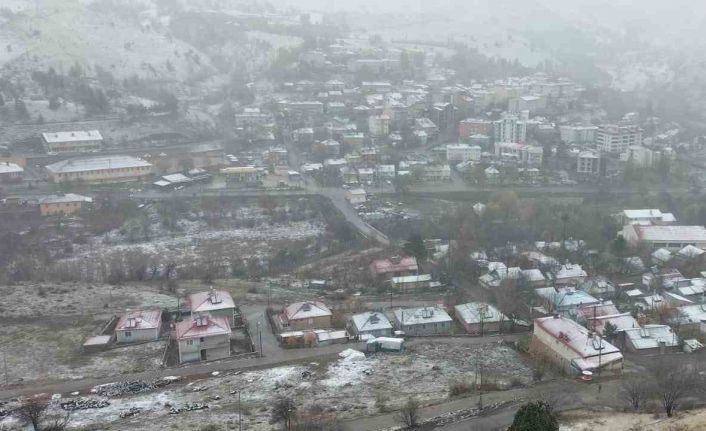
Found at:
<point>346,387</point>
<point>351,369</point>
<point>76,33</point>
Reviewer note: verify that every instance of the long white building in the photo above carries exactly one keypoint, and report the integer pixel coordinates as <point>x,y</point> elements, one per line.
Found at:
<point>99,169</point>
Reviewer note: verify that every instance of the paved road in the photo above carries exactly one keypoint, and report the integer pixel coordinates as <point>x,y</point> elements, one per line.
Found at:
<point>337,197</point>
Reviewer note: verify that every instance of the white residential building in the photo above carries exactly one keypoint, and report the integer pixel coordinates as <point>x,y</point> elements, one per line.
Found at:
<point>646,217</point>
<point>510,129</point>
<point>379,125</point>
<point>578,134</point>
<point>616,139</point>
<point>373,324</point>
<point>203,338</point>
<point>456,153</point>
<point>573,347</point>
<point>72,142</point>
<point>135,326</point>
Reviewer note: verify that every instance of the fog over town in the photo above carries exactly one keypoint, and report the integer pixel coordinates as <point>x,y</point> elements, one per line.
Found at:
<point>314,215</point>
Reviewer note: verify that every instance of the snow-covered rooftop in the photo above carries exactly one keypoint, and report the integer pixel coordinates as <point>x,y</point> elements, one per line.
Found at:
<point>371,321</point>
<point>97,164</point>
<point>77,136</point>
<point>210,300</point>
<point>421,315</point>
<point>475,312</point>
<point>306,310</point>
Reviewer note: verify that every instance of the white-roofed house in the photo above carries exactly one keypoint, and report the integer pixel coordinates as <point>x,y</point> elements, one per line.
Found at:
<point>566,300</point>
<point>646,217</point>
<point>217,303</point>
<point>10,172</point>
<point>372,324</point>
<point>569,273</point>
<point>356,196</point>
<point>598,286</point>
<point>651,339</point>
<point>202,337</point>
<point>304,315</point>
<point>533,277</point>
<point>690,253</point>
<point>423,321</point>
<point>139,325</point>
<point>72,142</point>
<point>480,318</point>
<point>661,256</point>
<point>573,347</point>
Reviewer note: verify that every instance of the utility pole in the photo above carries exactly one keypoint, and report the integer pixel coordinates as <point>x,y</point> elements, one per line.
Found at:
<point>259,336</point>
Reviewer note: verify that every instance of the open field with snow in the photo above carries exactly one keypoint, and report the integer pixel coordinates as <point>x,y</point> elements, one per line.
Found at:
<point>346,387</point>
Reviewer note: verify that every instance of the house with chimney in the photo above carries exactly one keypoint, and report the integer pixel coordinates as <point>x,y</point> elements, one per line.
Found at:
<point>423,321</point>
<point>304,315</point>
<point>370,324</point>
<point>215,302</point>
<point>203,337</point>
<point>573,348</point>
<point>139,325</point>
<point>479,318</point>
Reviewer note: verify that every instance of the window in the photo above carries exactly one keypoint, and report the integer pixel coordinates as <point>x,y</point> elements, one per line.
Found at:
<point>189,342</point>
<point>128,334</point>
<point>202,339</point>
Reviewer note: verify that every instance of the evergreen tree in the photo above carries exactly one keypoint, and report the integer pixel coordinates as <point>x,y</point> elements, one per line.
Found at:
<point>535,416</point>
<point>415,247</point>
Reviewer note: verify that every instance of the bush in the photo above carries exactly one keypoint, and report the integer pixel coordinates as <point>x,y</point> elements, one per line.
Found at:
<point>459,388</point>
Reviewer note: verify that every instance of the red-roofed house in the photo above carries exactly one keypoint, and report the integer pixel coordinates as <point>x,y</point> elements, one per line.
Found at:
<point>394,267</point>
<point>214,302</point>
<point>304,315</point>
<point>572,347</point>
<point>203,338</point>
<point>136,326</point>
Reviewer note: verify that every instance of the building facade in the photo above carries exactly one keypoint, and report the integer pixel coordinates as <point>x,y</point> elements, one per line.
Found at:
<point>99,169</point>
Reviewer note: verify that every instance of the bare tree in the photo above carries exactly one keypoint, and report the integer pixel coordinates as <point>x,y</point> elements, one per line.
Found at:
<point>673,383</point>
<point>37,414</point>
<point>409,413</point>
<point>635,391</point>
<point>284,410</point>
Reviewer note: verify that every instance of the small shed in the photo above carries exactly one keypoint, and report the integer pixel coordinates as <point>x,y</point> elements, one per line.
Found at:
<point>97,343</point>
<point>385,344</point>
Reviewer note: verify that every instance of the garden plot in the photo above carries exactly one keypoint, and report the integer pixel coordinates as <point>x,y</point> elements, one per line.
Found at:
<point>352,385</point>
<point>49,350</point>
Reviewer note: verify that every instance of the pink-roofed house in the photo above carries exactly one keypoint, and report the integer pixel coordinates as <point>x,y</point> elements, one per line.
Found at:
<point>572,347</point>
<point>214,302</point>
<point>394,267</point>
<point>203,338</point>
<point>304,315</point>
<point>142,325</point>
